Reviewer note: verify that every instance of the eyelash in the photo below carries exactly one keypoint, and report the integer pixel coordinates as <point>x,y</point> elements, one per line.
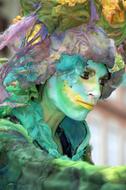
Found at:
<point>86,75</point>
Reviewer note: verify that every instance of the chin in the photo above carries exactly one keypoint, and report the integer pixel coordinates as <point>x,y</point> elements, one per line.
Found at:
<point>78,118</point>
<point>76,115</point>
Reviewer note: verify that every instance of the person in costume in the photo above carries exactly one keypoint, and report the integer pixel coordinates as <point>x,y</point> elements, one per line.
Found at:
<point>49,85</point>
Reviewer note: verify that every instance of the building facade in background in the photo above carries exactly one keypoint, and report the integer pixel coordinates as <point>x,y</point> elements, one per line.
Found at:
<point>108,129</point>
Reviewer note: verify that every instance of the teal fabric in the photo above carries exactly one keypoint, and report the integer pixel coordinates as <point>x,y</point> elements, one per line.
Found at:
<point>26,166</point>
<point>19,98</point>
<point>77,133</point>
<point>29,113</point>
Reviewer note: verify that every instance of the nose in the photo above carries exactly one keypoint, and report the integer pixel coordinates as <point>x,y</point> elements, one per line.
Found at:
<point>95,91</point>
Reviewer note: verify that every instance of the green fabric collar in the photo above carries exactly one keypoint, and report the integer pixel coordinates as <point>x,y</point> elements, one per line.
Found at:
<point>76,132</point>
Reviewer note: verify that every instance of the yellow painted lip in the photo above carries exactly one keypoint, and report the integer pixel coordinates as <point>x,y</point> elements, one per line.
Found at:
<point>86,105</point>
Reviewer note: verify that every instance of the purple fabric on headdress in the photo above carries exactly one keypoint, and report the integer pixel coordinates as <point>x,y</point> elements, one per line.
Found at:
<point>34,61</point>
<point>43,32</point>
<point>26,64</point>
<point>35,5</point>
<point>16,31</point>
<point>94,14</point>
<point>3,94</point>
<point>30,45</point>
<point>93,44</point>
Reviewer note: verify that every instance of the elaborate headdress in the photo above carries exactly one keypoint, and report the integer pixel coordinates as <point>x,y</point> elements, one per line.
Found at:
<point>64,14</point>
<point>39,42</point>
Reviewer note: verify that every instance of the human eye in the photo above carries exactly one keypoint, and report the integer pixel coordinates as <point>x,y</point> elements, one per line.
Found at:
<point>87,74</point>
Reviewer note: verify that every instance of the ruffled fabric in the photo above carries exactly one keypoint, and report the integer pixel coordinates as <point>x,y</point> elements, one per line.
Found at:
<point>59,16</point>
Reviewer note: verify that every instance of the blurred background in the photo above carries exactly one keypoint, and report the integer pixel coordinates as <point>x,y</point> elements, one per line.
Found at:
<point>107,121</point>
<point>108,129</point>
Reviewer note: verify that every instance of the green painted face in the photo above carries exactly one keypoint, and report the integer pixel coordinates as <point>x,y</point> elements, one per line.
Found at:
<point>77,98</point>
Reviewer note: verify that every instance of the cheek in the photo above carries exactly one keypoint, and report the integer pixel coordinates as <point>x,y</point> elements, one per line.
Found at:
<point>67,90</point>
<point>88,85</point>
<point>80,87</point>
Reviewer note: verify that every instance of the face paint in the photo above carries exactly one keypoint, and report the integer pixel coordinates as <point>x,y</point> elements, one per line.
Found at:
<point>77,97</point>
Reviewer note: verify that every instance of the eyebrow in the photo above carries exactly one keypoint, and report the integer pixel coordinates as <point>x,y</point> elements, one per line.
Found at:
<point>89,69</point>
<point>104,76</point>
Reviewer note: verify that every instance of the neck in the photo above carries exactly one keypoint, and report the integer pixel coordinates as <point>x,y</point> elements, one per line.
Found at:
<point>52,115</point>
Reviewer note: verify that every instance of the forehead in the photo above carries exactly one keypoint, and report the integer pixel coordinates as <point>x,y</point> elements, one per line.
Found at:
<point>99,68</point>
<point>76,64</point>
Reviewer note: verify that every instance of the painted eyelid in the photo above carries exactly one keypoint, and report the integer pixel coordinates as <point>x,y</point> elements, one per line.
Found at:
<point>91,72</point>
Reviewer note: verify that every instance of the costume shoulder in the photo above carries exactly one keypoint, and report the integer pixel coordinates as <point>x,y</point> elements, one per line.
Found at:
<point>26,167</point>
<point>21,163</point>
